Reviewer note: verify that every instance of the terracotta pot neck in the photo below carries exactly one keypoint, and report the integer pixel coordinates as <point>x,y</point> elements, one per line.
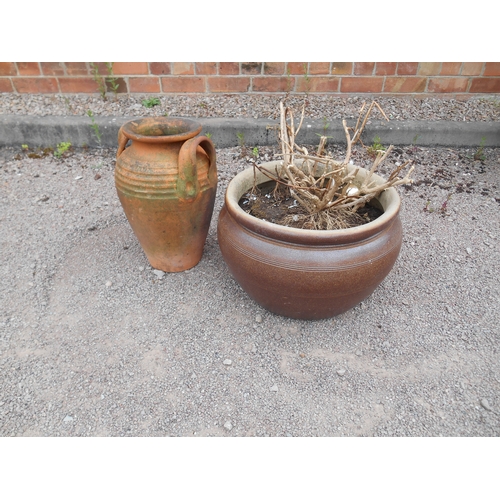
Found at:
<point>161,129</point>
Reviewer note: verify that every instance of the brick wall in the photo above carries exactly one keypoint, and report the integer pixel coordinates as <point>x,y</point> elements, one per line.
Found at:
<point>460,79</point>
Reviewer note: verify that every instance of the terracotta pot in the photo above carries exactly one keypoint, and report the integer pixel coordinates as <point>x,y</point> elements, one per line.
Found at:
<point>166,181</point>
<point>303,273</point>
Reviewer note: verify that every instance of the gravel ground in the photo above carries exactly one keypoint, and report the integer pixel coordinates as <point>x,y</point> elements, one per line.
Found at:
<point>479,108</point>
<point>93,342</point>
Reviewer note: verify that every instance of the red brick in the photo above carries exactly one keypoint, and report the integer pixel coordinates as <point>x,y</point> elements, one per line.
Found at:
<point>7,69</point>
<point>229,68</point>
<point>385,68</point>
<point>472,68</point>
<point>6,85</point>
<point>401,84</point>
<point>318,84</point>
<point>297,68</point>
<point>206,68</point>
<point>186,84</point>
<point>82,85</point>
<point>160,68</point>
<point>447,85</point>
<point>485,85</point>
<point>129,68</point>
<point>450,68</point>
<point>361,84</point>
<point>429,68</point>
<point>28,68</point>
<point>76,68</point>
<point>36,85</point>
<point>492,69</point>
<point>183,68</point>
<point>228,84</point>
<point>272,84</point>
<point>144,84</point>
<point>407,68</point>
<point>251,68</point>
<point>319,68</point>
<point>52,68</point>
<point>363,68</point>
<point>341,68</point>
<point>274,68</point>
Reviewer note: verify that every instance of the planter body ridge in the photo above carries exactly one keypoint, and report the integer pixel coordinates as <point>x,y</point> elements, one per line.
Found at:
<point>166,181</point>
<point>302,273</point>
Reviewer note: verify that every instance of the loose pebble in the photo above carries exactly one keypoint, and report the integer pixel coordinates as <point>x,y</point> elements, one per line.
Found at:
<point>274,388</point>
<point>227,362</point>
<point>486,405</point>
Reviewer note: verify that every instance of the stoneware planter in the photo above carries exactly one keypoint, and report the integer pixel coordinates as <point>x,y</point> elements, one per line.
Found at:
<point>303,273</point>
<point>166,181</point>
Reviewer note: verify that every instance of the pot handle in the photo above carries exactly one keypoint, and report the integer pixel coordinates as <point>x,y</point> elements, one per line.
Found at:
<point>122,142</point>
<point>187,182</point>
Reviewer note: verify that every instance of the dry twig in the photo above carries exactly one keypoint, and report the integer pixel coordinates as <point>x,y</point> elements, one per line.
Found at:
<point>336,193</point>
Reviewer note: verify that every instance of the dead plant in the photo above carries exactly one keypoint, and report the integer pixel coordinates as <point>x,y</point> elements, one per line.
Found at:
<point>328,189</point>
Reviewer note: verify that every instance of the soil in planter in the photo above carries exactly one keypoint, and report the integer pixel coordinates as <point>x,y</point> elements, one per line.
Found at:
<point>285,211</point>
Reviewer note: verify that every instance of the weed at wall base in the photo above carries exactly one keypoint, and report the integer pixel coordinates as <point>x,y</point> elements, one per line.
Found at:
<point>95,127</point>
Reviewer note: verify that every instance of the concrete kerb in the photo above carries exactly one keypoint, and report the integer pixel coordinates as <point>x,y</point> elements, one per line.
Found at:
<point>51,130</point>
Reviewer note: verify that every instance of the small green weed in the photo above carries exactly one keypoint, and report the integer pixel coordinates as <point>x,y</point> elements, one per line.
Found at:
<point>376,147</point>
<point>99,79</point>
<point>151,102</point>
<point>289,82</point>
<point>94,126</point>
<point>103,83</point>
<point>442,210</point>
<point>111,80</point>
<point>255,152</point>
<point>209,135</point>
<point>325,125</point>
<point>67,102</point>
<point>241,143</point>
<point>62,148</point>
<point>479,154</point>
<point>25,147</point>
<point>307,80</point>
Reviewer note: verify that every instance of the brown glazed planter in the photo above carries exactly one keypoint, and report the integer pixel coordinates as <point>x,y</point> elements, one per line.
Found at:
<point>166,181</point>
<point>303,273</point>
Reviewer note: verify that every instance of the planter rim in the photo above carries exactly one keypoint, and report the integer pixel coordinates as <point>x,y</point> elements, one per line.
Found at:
<point>243,181</point>
<point>161,129</point>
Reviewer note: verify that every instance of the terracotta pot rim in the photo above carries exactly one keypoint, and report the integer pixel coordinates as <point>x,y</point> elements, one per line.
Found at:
<point>161,129</point>
<point>243,181</point>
